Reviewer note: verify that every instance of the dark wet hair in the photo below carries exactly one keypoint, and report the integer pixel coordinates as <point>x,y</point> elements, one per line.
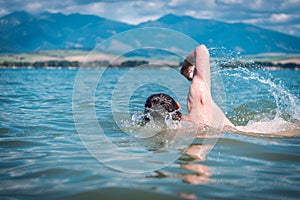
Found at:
<point>163,103</point>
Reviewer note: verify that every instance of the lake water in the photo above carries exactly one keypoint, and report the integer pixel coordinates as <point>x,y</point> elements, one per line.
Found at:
<point>43,147</point>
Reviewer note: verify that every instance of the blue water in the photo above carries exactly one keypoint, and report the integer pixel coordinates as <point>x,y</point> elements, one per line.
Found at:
<point>43,157</point>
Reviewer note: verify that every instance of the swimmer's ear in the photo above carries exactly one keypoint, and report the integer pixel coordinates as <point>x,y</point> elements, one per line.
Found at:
<point>178,105</point>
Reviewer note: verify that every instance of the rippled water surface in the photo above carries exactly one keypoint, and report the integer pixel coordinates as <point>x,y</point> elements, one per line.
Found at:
<point>43,156</point>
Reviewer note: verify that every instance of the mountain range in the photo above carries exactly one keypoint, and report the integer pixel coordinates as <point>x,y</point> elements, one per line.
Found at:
<point>23,32</point>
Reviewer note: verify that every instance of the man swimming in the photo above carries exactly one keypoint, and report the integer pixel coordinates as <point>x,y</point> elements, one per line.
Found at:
<point>200,105</point>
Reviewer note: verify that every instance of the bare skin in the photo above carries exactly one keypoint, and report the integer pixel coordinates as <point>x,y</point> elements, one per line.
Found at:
<point>199,103</point>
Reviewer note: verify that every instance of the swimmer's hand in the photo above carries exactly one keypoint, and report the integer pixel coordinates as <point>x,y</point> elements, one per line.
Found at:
<point>187,70</point>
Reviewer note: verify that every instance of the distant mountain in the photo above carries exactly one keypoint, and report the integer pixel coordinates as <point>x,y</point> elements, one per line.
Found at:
<point>240,37</point>
<point>23,32</point>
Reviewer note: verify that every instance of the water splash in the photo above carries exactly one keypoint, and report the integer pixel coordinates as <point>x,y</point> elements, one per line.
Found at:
<point>145,125</point>
<point>286,104</point>
<point>270,107</point>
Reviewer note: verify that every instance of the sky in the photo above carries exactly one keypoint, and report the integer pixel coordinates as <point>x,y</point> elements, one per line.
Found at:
<point>279,15</point>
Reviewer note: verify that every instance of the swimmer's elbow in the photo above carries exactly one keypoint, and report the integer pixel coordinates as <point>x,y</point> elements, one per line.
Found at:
<point>201,50</point>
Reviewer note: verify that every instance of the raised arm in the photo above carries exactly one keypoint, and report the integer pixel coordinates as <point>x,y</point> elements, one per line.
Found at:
<point>202,57</point>
<point>203,67</point>
<point>199,102</point>
<point>200,105</point>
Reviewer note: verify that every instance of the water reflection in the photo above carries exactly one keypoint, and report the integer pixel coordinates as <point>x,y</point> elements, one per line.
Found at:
<point>193,172</point>
<point>202,172</point>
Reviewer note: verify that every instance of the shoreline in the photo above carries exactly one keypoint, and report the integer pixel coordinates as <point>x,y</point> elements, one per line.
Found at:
<point>74,58</point>
<point>64,64</point>
<point>271,68</point>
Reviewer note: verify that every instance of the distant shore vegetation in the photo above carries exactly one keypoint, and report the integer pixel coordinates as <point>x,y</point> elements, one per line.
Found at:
<point>75,58</point>
<point>71,64</point>
<point>135,63</point>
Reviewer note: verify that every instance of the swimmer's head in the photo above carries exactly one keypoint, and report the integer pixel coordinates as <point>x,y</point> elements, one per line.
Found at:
<point>164,104</point>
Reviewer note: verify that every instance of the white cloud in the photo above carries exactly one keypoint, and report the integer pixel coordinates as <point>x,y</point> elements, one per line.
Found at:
<point>188,4</point>
<point>256,5</point>
<point>288,3</point>
<point>258,12</point>
<point>275,18</point>
<point>35,6</point>
<point>231,1</point>
<point>3,12</point>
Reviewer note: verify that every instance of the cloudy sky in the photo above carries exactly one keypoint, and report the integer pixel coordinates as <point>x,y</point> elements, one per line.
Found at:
<point>280,15</point>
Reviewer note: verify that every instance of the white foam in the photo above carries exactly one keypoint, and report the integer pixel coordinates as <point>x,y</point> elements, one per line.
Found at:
<point>277,127</point>
<point>263,126</point>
